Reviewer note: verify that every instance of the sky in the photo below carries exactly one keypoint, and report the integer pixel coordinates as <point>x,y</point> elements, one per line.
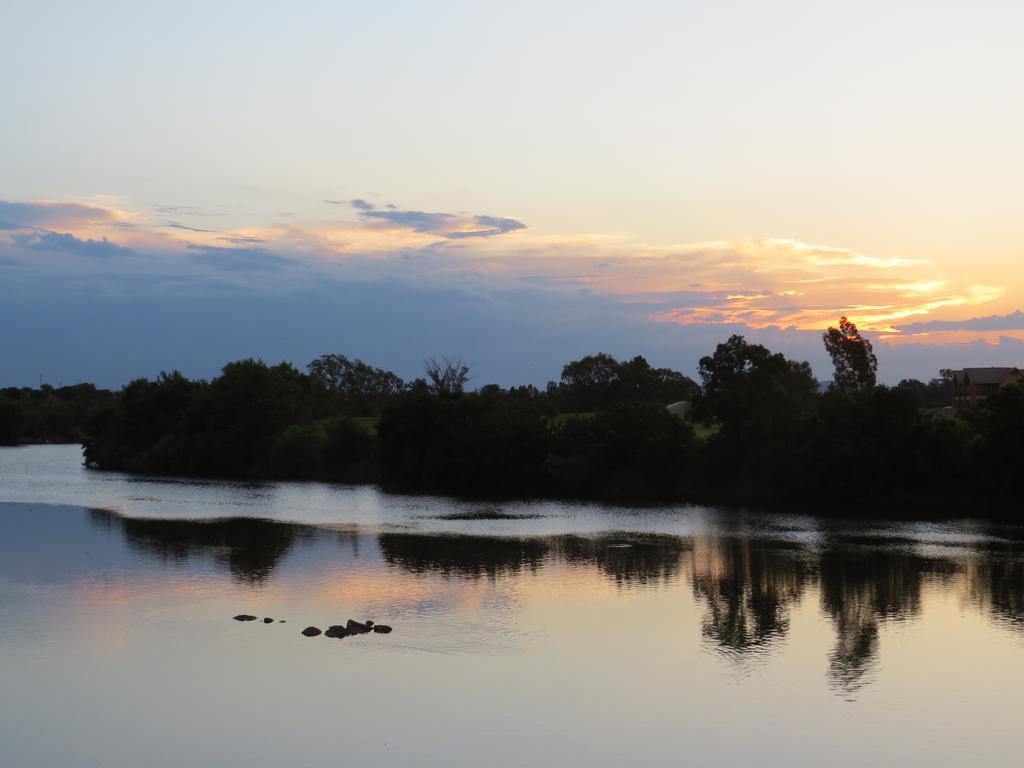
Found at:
<point>517,184</point>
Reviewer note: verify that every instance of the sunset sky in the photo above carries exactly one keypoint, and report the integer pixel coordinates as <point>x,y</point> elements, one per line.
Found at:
<point>518,184</point>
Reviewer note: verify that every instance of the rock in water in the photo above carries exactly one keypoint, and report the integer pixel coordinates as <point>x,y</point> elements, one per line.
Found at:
<point>356,627</point>
<point>268,621</point>
<point>368,623</point>
<point>336,630</point>
<point>244,617</point>
<point>311,631</point>
<point>381,628</point>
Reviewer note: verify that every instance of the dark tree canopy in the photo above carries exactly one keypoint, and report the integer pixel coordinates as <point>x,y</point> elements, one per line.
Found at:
<point>362,388</point>
<point>591,372</point>
<point>759,401</point>
<point>49,414</point>
<point>479,445</point>
<point>603,432</point>
<point>741,378</point>
<point>631,450</point>
<point>596,382</point>
<point>855,362</point>
<point>237,425</point>
<point>937,393</point>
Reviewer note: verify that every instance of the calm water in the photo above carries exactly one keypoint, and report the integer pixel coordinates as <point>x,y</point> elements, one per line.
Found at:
<point>524,634</point>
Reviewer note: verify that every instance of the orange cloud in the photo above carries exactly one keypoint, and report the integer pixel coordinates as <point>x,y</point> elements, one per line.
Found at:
<point>756,282</point>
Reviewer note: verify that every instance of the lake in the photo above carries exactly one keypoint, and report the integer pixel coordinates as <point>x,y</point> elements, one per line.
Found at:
<point>526,633</point>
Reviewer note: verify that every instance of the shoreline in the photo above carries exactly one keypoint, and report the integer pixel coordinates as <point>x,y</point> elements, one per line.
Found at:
<point>919,507</point>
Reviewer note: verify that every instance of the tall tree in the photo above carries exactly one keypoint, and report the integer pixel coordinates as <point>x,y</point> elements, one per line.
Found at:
<point>448,376</point>
<point>759,400</point>
<point>361,388</point>
<point>855,362</point>
<point>742,380</point>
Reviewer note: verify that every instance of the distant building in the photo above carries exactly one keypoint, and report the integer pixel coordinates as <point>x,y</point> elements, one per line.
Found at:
<point>973,384</point>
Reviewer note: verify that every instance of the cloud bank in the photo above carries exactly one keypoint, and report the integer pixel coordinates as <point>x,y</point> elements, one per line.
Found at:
<point>681,296</point>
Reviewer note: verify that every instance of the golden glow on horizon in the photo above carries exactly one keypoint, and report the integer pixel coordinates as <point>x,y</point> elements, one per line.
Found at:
<point>759,283</point>
<point>740,309</point>
<point>957,336</point>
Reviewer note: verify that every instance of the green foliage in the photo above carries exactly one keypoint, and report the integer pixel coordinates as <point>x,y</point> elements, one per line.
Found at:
<point>632,451</point>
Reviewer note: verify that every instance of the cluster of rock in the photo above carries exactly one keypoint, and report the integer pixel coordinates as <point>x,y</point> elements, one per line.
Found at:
<point>248,617</point>
<point>351,627</point>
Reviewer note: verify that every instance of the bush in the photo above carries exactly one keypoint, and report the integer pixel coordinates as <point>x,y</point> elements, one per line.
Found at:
<point>469,445</point>
<point>633,451</point>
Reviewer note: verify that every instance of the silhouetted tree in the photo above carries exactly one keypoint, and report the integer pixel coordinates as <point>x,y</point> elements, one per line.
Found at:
<point>597,381</point>
<point>855,362</point>
<point>936,393</point>
<point>448,376</point>
<point>587,382</point>
<point>759,400</point>
<point>773,436</point>
<point>49,414</point>
<point>363,389</point>
<point>226,427</point>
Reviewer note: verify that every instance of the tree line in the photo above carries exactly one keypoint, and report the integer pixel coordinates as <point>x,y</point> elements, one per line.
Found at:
<point>49,414</point>
<point>602,425</point>
<point>760,430</point>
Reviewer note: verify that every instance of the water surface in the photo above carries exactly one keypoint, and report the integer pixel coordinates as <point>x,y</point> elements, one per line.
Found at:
<point>524,633</point>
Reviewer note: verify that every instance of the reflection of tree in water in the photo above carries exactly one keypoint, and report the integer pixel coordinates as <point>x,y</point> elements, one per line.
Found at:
<point>747,585</point>
<point>249,548</point>
<point>995,584</point>
<point>862,586</point>
<point>459,555</point>
<point>252,548</point>
<point>748,590</point>
<point>627,559</point>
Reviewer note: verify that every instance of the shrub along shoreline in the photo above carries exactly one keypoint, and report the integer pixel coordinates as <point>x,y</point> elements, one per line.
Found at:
<point>760,431</point>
